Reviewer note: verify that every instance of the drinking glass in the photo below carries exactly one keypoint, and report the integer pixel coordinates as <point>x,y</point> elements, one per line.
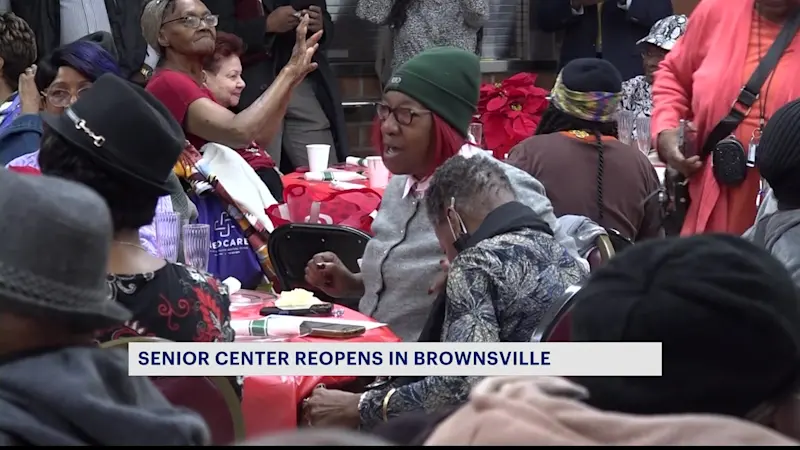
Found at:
<point>643,134</point>
<point>168,235</point>
<point>625,123</point>
<point>476,131</point>
<point>197,245</point>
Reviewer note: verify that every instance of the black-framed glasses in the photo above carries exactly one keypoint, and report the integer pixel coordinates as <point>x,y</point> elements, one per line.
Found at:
<point>62,98</point>
<point>194,22</point>
<point>403,115</point>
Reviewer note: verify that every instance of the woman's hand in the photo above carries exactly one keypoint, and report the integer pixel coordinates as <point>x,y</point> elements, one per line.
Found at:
<point>29,97</point>
<point>440,282</point>
<point>326,271</point>
<point>301,63</point>
<point>668,151</point>
<point>332,408</point>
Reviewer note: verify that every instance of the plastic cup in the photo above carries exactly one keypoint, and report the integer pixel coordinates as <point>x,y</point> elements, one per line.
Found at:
<point>377,172</point>
<point>318,155</point>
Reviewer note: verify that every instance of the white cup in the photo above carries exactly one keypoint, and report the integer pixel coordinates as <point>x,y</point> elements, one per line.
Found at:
<point>377,172</point>
<point>318,155</point>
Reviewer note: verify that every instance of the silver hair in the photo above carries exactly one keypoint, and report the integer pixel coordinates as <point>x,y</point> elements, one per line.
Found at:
<point>152,18</point>
<point>466,183</point>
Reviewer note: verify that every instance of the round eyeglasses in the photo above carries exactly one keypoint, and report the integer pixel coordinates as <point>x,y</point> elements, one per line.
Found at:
<point>62,98</point>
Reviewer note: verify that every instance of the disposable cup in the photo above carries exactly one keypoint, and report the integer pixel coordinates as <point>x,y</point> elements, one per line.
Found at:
<point>377,172</point>
<point>318,155</point>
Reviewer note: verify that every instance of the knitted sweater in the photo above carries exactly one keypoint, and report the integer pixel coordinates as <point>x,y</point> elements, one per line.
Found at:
<point>401,262</point>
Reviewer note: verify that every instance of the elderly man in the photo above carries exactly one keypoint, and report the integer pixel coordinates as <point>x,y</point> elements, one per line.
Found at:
<point>56,387</point>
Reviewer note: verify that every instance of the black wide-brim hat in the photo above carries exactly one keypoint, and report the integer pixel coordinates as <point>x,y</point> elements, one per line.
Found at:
<point>124,129</point>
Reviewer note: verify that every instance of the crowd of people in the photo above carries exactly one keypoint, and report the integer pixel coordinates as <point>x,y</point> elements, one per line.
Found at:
<point>208,104</point>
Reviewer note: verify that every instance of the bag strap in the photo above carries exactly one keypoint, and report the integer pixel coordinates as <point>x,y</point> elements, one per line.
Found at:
<point>750,92</point>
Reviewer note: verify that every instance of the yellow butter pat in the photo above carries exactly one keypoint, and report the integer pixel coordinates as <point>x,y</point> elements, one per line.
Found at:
<point>296,298</point>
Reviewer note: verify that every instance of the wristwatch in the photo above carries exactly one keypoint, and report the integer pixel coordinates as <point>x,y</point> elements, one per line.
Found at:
<point>146,71</point>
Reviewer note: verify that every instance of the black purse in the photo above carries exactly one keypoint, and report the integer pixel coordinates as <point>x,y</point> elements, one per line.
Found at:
<point>728,155</point>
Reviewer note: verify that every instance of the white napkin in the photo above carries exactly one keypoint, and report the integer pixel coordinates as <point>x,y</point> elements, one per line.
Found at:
<point>240,181</point>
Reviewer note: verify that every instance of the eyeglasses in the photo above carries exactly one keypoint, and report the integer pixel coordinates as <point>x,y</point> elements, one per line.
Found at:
<point>403,116</point>
<point>194,22</point>
<point>61,98</point>
<point>654,53</point>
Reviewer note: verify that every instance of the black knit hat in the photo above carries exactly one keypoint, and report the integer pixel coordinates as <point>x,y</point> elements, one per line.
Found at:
<point>591,75</point>
<point>589,89</point>
<point>727,314</point>
<point>778,155</point>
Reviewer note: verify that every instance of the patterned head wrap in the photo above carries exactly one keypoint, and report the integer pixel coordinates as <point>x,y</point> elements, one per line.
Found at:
<point>593,106</point>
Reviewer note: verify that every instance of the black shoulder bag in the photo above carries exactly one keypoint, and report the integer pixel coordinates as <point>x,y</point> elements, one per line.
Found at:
<point>728,155</point>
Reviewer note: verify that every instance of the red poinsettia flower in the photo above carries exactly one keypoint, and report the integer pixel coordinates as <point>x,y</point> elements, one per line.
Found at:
<point>510,112</point>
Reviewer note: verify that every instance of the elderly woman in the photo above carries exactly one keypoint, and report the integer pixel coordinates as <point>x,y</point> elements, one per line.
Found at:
<point>422,122</point>
<point>637,92</point>
<point>62,78</point>
<point>168,300</point>
<point>699,80</point>
<point>183,31</point>
<point>223,73</point>
<point>18,53</point>
<point>576,155</point>
<point>506,270</point>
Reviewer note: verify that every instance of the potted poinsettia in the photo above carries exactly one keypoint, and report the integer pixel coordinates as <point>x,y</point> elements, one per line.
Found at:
<point>510,111</point>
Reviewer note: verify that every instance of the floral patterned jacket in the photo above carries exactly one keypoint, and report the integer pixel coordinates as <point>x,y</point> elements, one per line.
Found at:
<point>497,291</point>
<point>176,302</point>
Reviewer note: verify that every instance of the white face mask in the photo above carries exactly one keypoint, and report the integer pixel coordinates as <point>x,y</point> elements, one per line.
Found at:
<point>460,241</point>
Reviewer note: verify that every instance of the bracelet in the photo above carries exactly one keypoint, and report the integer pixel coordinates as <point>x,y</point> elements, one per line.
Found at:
<point>386,404</point>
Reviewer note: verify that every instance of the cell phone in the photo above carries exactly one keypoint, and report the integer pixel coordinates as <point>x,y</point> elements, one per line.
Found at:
<point>331,330</point>
<point>317,309</point>
<point>687,139</point>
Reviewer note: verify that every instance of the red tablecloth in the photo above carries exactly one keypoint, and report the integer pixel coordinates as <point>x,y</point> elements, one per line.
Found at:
<point>321,189</point>
<point>269,403</point>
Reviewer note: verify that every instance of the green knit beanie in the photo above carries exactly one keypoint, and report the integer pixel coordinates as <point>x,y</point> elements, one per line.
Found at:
<point>446,80</point>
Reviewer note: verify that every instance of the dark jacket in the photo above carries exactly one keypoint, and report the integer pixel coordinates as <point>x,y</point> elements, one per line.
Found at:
<point>44,17</point>
<point>84,396</point>
<point>621,30</point>
<point>498,290</point>
<point>567,165</point>
<point>267,53</point>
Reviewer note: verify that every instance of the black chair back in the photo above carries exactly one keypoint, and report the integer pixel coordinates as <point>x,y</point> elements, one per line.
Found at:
<point>555,324</point>
<point>619,241</point>
<point>291,246</point>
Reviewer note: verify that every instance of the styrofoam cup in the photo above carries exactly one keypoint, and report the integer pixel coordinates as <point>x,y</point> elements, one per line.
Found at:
<point>318,155</point>
<point>377,172</point>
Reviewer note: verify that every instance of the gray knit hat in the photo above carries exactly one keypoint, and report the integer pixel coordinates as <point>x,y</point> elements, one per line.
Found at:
<point>56,236</point>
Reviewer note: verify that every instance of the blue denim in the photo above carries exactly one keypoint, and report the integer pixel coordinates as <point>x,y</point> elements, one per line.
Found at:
<point>23,136</point>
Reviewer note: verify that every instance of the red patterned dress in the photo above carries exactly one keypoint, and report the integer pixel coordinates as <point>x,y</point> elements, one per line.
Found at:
<point>175,302</point>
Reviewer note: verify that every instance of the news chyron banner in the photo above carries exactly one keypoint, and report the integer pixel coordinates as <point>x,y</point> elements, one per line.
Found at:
<point>395,359</point>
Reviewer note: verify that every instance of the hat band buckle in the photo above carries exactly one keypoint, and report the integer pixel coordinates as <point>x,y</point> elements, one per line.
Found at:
<point>80,124</point>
